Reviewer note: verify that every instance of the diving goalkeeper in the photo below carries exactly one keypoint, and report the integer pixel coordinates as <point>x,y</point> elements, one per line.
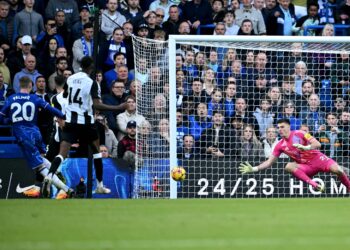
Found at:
<point>302,148</point>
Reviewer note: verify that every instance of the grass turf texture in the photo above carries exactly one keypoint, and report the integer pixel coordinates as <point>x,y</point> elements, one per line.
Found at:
<point>175,224</point>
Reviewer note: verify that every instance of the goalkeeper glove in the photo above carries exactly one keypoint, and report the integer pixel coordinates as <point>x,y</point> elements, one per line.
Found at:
<point>246,168</point>
<point>302,147</point>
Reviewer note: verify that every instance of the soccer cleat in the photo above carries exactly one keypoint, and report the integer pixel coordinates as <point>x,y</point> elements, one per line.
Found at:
<point>102,190</point>
<point>46,188</point>
<point>33,192</point>
<point>65,195</point>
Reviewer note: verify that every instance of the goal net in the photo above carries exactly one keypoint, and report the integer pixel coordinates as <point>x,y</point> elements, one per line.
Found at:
<point>212,102</point>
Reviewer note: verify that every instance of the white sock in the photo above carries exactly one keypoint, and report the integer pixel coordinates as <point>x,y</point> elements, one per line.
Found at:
<point>54,179</point>
<point>99,184</point>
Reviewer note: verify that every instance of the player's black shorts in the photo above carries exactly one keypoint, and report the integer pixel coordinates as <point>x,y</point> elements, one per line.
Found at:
<point>82,133</point>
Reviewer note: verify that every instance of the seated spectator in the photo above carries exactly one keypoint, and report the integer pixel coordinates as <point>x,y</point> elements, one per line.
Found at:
<point>5,71</point>
<point>197,93</point>
<point>340,104</point>
<point>44,117</point>
<point>198,13</point>
<point>61,66</point>
<point>328,30</point>
<point>200,121</point>
<point>229,100</point>
<point>312,115</point>
<point>160,16</point>
<point>246,28</point>
<point>15,59</point>
<point>274,94</point>
<point>218,11</point>
<point>83,46</point>
<point>264,118</point>
<point>111,18</point>
<point>115,45</point>
<point>4,91</point>
<point>231,27</point>
<point>6,26</point>
<point>48,55</point>
<point>158,110</point>
<point>300,74</point>
<point>284,16</point>
<point>289,112</point>
<point>188,149</point>
<point>77,28</point>
<point>171,25</point>
<point>143,31</point>
<point>104,151</point>
<point>311,18</point>
<point>242,112</point>
<point>141,70</point>
<point>128,115</point>
<point>216,141</point>
<point>151,21</point>
<point>181,129</point>
<point>258,92</point>
<point>112,75</point>
<point>270,142</point>
<point>161,140</point>
<point>115,97</point>
<point>209,82</point>
<point>215,104</point>
<point>162,4</point>
<point>344,120</point>
<point>334,141</point>
<point>250,146</point>
<point>29,71</point>
<point>123,76</point>
<point>340,71</point>
<point>44,37</point>
<point>344,12</point>
<point>144,140</point>
<point>252,14</point>
<point>189,65</point>
<point>213,62</point>
<point>288,93</point>
<point>133,12</point>
<point>110,141</point>
<point>127,145</point>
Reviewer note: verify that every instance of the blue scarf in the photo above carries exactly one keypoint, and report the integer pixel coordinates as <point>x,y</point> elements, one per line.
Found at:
<point>85,46</point>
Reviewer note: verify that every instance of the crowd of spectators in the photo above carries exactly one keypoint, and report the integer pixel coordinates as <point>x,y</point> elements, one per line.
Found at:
<point>227,99</point>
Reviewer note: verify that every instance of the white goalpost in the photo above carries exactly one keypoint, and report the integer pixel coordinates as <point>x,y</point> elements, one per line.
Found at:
<point>212,102</point>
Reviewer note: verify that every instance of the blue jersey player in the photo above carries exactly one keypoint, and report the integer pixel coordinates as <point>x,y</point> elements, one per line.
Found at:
<point>22,110</point>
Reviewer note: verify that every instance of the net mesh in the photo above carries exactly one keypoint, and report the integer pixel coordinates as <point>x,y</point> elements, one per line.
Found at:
<point>229,96</point>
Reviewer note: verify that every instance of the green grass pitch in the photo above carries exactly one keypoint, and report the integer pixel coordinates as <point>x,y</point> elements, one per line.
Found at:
<point>280,224</point>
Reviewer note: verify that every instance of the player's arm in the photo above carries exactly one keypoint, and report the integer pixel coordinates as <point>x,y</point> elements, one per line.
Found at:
<point>313,143</point>
<point>54,111</point>
<point>96,99</point>
<point>101,106</point>
<point>245,168</point>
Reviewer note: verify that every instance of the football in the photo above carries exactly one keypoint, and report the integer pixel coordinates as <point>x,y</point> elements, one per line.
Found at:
<point>178,173</point>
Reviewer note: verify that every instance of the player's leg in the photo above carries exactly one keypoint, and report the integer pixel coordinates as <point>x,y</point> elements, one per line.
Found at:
<point>301,172</point>
<point>97,156</point>
<point>339,171</point>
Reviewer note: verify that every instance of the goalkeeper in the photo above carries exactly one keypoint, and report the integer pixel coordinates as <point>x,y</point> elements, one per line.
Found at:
<point>302,148</point>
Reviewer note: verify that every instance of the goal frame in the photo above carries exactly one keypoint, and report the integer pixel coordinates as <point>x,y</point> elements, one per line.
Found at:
<point>174,39</point>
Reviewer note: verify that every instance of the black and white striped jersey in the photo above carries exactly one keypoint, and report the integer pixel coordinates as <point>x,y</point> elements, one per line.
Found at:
<point>81,91</point>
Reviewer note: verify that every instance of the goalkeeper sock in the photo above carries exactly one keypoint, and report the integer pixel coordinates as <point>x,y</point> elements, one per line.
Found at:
<point>302,176</point>
<point>345,180</point>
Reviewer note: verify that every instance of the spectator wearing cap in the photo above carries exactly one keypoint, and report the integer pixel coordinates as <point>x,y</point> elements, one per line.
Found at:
<point>142,30</point>
<point>128,115</point>
<point>83,46</point>
<point>254,15</point>
<point>162,4</point>
<point>29,71</point>
<point>77,28</point>
<point>197,12</point>
<point>127,145</point>
<point>70,8</point>
<point>171,25</point>
<point>111,18</point>
<point>28,21</point>
<point>16,58</point>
